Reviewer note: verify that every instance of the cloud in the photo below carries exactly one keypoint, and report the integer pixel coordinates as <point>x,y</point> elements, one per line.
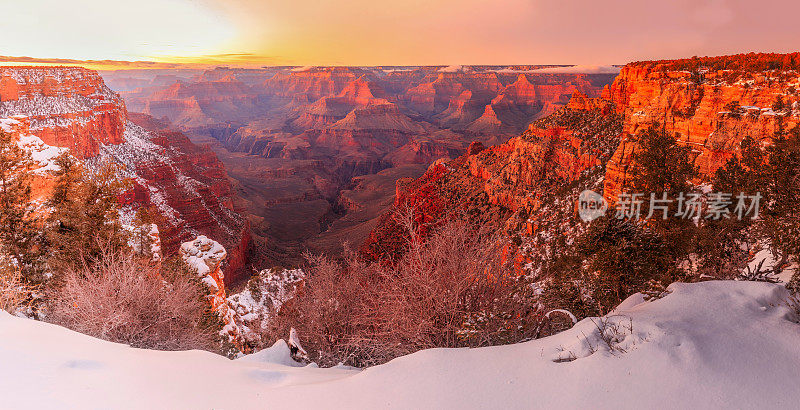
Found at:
<point>103,64</point>
<point>454,69</point>
<point>570,69</point>
<point>230,59</point>
<point>581,69</point>
<point>162,62</point>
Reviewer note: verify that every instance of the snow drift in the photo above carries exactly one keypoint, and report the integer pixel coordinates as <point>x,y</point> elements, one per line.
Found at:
<point>705,345</point>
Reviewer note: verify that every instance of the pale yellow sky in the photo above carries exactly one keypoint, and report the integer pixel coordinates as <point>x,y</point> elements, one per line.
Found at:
<point>381,32</point>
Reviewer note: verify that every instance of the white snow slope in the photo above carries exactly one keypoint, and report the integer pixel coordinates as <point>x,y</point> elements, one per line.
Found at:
<point>705,345</point>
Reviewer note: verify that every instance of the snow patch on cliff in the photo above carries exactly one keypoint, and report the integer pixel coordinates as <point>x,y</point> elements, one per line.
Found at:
<point>265,293</point>
<point>42,154</point>
<point>203,255</point>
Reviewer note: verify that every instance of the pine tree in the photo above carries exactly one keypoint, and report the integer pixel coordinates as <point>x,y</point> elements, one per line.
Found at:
<point>663,167</point>
<point>621,258</point>
<point>781,219</point>
<point>774,174</point>
<point>84,222</point>
<point>18,233</point>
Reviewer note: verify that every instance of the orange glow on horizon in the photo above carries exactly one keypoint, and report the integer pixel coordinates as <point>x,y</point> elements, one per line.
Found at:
<point>252,33</point>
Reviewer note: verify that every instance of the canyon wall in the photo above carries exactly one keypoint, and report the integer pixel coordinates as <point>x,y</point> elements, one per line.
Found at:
<point>71,109</point>
<point>710,111</point>
<point>318,129</point>
<point>66,107</point>
<point>530,184</point>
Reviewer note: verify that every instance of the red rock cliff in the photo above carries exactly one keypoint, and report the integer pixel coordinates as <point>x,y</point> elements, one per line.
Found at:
<point>529,185</point>
<point>187,184</point>
<point>67,106</point>
<point>710,111</point>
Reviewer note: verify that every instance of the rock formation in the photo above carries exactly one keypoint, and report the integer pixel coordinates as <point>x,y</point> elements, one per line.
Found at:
<point>66,106</point>
<point>529,185</point>
<point>319,127</point>
<point>205,256</point>
<point>60,108</point>
<point>709,111</point>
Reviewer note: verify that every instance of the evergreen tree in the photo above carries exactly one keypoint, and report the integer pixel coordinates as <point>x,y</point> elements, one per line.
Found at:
<point>723,243</point>
<point>84,221</point>
<point>621,258</point>
<point>663,167</point>
<point>781,220</point>
<point>18,233</point>
<point>774,174</point>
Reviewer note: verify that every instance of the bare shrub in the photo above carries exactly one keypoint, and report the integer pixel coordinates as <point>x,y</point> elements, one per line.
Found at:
<point>458,288</point>
<point>610,334</point>
<point>794,304</point>
<point>759,274</point>
<point>15,293</point>
<point>123,298</point>
<point>794,283</point>
<point>613,332</point>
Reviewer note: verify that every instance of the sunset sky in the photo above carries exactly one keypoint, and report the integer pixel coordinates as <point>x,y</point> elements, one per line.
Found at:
<point>162,33</point>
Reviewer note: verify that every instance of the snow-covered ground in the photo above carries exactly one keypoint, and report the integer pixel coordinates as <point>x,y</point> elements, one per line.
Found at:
<point>705,345</point>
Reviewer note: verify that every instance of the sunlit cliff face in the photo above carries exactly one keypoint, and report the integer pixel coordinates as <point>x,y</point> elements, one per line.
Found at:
<point>166,33</point>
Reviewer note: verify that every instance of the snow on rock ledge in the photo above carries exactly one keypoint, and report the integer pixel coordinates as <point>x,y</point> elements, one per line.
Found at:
<point>42,155</point>
<point>264,295</point>
<point>205,256</point>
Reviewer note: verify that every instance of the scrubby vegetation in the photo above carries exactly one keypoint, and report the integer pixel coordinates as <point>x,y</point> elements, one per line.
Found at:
<point>126,299</point>
<point>14,291</point>
<point>458,288</point>
<point>773,172</point>
<point>69,260</point>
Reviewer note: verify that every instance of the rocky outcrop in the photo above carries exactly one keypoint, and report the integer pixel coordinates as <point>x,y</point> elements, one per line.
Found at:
<point>67,107</point>
<point>203,103</point>
<point>205,257</point>
<point>314,82</point>
<point>244,315</point>
<point>266,292</point>
<point>42,164</point>
<point>382,117</point>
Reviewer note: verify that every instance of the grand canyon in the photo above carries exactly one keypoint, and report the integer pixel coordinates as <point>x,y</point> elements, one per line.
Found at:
<point>248,204</point>
<point>315,152</point>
